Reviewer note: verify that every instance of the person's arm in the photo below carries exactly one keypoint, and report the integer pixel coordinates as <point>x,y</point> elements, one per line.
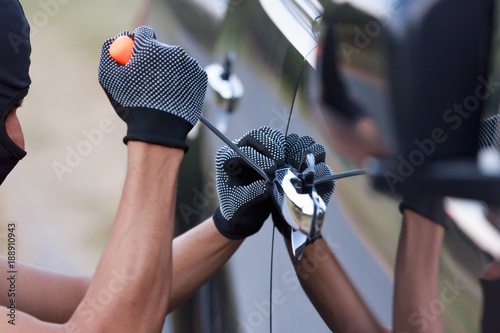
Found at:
<point>46,295</point>
<point>198,253</point>
<point>131,287</point>
<point>196,256</point>
<point>331,291</point>
<point>24,323</point>
<point>327,286</point>
<point>417,274</point>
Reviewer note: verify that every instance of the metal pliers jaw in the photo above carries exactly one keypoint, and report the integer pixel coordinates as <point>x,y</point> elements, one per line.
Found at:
<point>302,208</point>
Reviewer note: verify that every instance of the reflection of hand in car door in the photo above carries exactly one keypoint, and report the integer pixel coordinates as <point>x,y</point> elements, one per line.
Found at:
<point>332,292</point>
<point>319,272</point>
<point>417,269</point>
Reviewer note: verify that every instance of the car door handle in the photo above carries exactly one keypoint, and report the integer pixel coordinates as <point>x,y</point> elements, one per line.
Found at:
<point>226,85</point>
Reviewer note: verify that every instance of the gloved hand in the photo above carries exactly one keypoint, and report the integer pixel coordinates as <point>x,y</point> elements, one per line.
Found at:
<point>159,93</point>
<point>429,206</point>
<point>296,148</point>
<point>243,195</point>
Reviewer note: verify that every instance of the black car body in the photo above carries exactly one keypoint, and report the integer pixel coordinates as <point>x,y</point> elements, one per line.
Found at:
<point>275,45</point>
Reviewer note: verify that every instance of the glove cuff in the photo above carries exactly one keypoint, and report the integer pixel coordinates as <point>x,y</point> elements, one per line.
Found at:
<point>158,127</point>
<point>431,208</point>
<point>224,227</point>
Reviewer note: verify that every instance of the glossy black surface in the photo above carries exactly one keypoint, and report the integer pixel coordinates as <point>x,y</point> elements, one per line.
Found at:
<point>275,43</point>
<point>422,81</point>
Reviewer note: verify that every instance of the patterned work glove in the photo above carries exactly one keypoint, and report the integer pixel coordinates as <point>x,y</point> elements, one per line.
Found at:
<point>159,93</point>
<point>243,195</point>
<point>296,148</point>
<point>432,207</point>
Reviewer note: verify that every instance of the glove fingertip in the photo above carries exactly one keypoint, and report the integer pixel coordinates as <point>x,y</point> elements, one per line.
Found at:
<point>292,137</point>
<point>318,151</point>
<point>143,36</point>
<point>272,132</point>
<point>223,154</point>
<point>262,187</point>
<point>304,142</point>
<point>125,33</point>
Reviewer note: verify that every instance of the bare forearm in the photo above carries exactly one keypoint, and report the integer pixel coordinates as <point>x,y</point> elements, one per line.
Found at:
<point>417,274</point>
<point>49,296</point>
<point>197,255</point>
<point>131,287</point>
<point>331,291</point>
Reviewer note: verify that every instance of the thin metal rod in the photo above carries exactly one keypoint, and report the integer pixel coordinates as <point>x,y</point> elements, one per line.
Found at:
<point>340,176</point>
<point>235,148</point>
<point>297,85</point>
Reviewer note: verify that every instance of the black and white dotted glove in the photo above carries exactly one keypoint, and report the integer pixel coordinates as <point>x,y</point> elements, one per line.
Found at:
<point>159,93</point>
<point>296,148</point>
<point>243,195</point>
<point>431,206</point>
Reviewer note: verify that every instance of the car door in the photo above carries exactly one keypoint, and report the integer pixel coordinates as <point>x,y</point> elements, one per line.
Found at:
<point>274,43</point>
<point>376,220</point>
<point>272,47</point>
<point>269,68</point>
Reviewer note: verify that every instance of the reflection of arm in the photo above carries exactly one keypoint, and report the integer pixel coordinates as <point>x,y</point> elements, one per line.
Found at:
<point>197,255</point>
<point>357,141</point>
<point>331,291</point>
<point>417,275</point>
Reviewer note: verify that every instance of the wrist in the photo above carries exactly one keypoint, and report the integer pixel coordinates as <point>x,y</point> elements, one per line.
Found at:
<point>150,156</point>
<point>420,226</point>
<point>219,237</point>
<point>224,227</point>
<point>159,127</point>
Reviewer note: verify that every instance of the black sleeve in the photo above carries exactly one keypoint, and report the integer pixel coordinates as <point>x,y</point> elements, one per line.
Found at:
<point>491,306</point>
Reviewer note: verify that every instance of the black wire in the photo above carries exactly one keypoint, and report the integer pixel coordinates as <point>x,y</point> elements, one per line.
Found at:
<point>274,228</point>
<point>294,96</point>
<point>235,148</point>
<point>340,176</point>
<point>271,285</point>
